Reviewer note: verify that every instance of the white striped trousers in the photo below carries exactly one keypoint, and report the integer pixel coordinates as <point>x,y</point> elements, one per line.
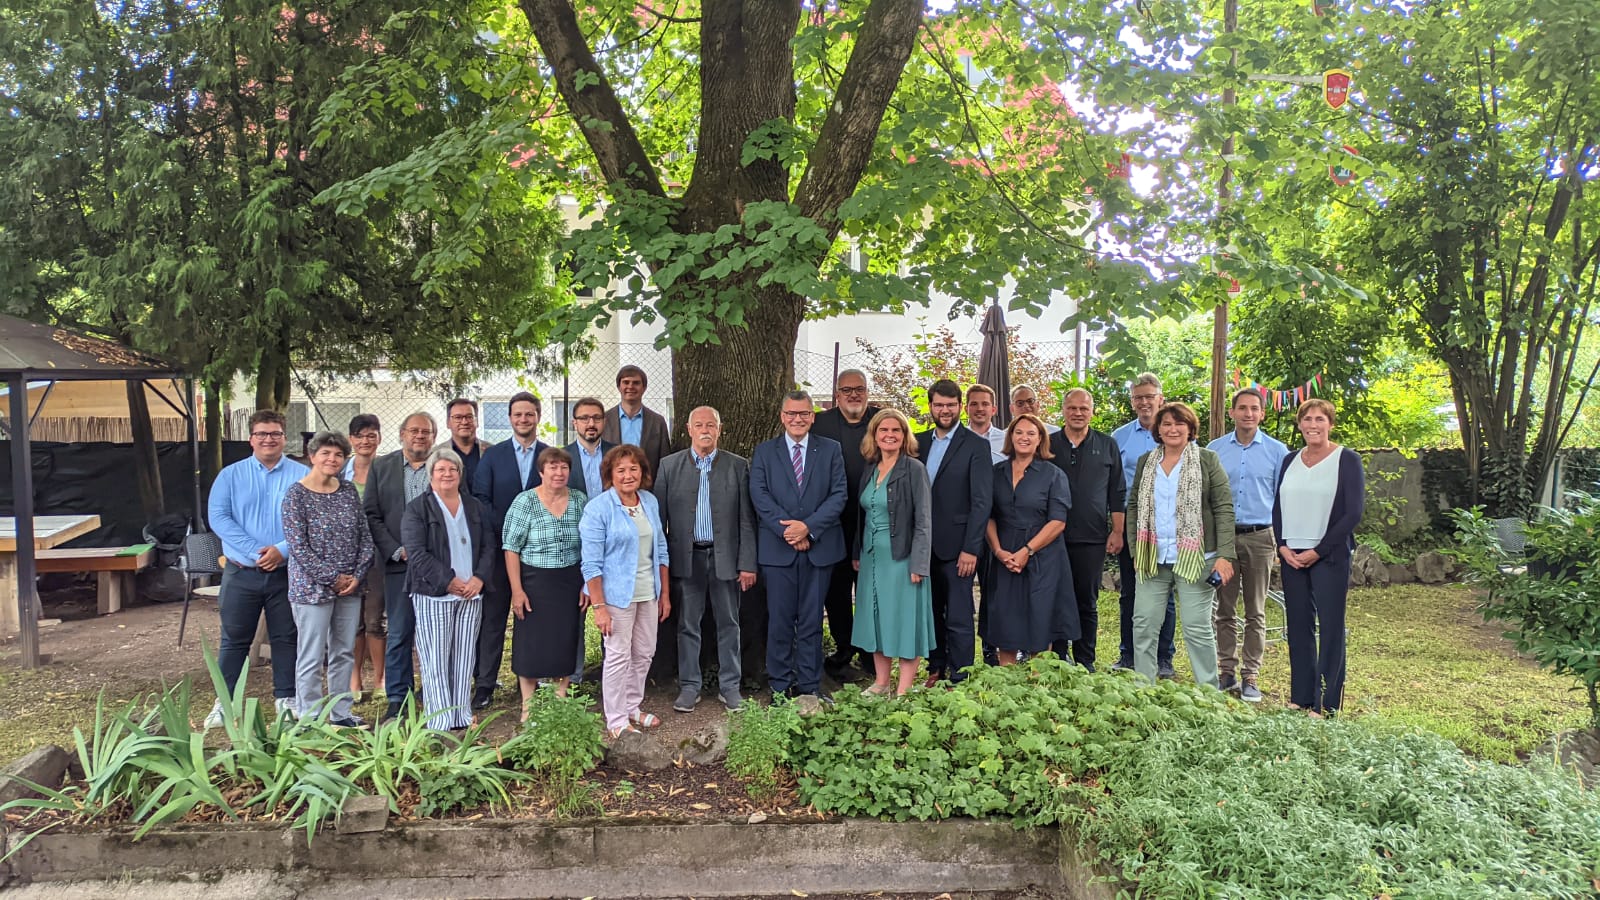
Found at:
<point>447,643</point>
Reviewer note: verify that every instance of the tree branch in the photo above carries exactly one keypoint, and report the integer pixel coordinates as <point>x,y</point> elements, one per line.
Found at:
<point>590,97</point>
<point>845,143</point>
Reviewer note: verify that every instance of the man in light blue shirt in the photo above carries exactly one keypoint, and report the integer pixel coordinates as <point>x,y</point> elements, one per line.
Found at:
<point>1252,460</point>
<point>1135,439</point>
<point>246,511</point>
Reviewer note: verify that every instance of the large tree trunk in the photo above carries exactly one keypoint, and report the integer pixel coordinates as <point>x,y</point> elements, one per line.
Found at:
<point>746,375</point>
<point>272,378</point>
<point>211,458</point>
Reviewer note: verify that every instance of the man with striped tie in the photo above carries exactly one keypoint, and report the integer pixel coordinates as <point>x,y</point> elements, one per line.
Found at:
<point>797,486</point>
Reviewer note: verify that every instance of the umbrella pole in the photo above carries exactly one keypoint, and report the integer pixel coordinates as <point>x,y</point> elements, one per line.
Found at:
<point>22,511</point>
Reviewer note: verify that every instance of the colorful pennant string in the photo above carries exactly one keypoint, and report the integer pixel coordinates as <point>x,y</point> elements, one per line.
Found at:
<point>1281,398</point>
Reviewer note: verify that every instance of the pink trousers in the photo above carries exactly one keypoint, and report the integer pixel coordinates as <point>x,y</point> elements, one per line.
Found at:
<point>629,650</point>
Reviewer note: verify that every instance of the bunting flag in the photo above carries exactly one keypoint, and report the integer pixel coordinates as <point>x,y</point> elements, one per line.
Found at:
<point>1281,398</point>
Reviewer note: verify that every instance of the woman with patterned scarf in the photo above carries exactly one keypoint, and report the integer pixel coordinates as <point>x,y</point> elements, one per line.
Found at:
<point>1180,527</point>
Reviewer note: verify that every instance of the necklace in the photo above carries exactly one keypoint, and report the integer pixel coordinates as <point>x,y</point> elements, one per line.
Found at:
<point>632,511</point>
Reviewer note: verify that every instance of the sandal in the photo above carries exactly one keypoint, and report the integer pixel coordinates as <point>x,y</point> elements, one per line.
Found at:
<point>876,690</point>
<point>615,733</point>
<point>644,720</point>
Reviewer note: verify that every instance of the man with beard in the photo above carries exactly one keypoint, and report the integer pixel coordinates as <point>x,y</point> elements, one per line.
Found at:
<point>461,417</point>
<point>588,421</point>
<point>508,468</point>
<point>846,423</point>
<point>962,476</point>
<point>1093,464</point>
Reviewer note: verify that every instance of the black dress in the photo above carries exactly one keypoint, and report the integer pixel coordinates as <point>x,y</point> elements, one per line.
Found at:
<point>1029,610</point>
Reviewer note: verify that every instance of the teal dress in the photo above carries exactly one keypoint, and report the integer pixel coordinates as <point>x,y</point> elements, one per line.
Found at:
<point>893,616</point>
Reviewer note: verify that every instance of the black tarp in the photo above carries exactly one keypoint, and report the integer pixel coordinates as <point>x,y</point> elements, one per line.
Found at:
<point>97,478</point>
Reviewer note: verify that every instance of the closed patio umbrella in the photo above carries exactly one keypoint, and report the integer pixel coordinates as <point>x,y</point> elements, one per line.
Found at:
<point>994,362</point>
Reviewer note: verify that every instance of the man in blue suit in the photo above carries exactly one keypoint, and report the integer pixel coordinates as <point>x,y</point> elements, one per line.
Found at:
<point>506,470</point>
<point>962,475</point>
<point>797,486</point>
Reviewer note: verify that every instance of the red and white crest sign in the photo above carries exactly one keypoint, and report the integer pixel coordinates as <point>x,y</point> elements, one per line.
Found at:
<point>1336,87</point>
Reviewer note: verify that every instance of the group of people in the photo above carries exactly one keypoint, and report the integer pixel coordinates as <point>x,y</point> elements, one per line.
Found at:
<point>891,534</point>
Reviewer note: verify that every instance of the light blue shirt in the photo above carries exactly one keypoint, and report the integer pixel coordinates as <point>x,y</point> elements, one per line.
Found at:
<point>525,459</point>
<point>997,442</point>
<point>936,449</point>
<point>611,545</point>
<point>789,445</point>
<point>591,467</point>
<point>1166,512</point>
<point>1134,440</point>
<point>632,427</point>
<point>1253,472</point>
<point>702,502</point>
<point>246,507</point>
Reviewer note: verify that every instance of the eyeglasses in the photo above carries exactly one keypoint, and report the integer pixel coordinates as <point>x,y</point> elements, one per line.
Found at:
<point>798,413</point>
<point>853,391</point>
<point>467,417</point>
<point>267,435</point>
<point>417,432</point>
<point>588,418</point>
<point>1026,401</point>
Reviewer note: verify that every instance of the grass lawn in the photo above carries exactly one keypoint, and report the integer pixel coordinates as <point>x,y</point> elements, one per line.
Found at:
<point>1418,656</point>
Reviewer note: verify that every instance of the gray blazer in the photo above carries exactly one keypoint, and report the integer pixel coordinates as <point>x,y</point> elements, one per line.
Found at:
<point>385,505</point>
<point>910,513</point>
<point>733,519</point>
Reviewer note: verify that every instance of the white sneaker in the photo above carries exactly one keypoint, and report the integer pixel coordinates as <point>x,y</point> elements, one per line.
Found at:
<point>214,719</point>
<point>286,707</point>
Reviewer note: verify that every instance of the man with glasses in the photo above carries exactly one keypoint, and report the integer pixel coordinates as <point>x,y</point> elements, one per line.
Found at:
<point>962,476</point>
<point>246,512</point>
<point>1093,464</point>
<point>461,416</point>
<point>798,488</point>
<point>846,423</point>
<point>1135,439</point>
<point>395,480</point>
<point>507,469</point>
<point>1025,399</point>
<point>588,421</point>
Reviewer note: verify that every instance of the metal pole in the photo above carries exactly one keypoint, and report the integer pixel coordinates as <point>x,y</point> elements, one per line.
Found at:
<point>194,452</point>
<point>566,396</point>
<point>1219,328</point>
<point>835,379</point>
<point>22,509</point>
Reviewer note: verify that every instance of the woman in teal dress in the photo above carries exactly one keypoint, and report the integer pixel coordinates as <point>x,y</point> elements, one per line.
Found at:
<point>893,552</point>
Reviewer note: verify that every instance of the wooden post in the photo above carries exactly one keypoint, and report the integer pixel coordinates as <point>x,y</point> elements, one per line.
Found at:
<point>1219,327</point>
<point>22,509</point>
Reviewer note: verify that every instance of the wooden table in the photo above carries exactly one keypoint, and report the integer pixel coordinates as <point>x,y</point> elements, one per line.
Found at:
<point>48,532</point>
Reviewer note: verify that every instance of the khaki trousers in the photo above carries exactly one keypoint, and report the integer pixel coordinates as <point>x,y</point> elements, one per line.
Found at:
<point>1256,550</point>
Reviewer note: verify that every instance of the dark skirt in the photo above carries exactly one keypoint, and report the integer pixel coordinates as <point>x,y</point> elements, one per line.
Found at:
<point>544,643</point>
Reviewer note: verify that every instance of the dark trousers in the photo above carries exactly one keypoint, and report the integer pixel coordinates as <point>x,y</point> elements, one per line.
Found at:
<point>840,604</point>
<point>1314,608</point>
<point>398,673</point>
<point>694,594</point>
<point>1165,648</point>
<point>952,622</point>
<point>1087,561</point>
<point>492,630</point>
<point>794,624</point>
<point>245,594</point>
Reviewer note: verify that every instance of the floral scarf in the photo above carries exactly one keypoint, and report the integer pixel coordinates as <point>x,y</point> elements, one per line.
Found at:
<point>1191,523</point>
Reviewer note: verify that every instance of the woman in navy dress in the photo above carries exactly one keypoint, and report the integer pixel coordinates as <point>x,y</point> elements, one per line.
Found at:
<point>1027,609</point>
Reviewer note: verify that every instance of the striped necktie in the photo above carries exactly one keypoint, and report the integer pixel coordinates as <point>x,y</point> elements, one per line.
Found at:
<point>799,468</point>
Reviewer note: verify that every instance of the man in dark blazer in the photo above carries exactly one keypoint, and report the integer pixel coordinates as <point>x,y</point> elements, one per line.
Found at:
<point>797,486</point>
<point>394,480</point>
<point>711,537</point>
<point>588,421</point>
<point>507,469</point>
<point>961,472</point>
<point>631,422</point>
<point>846,423</point>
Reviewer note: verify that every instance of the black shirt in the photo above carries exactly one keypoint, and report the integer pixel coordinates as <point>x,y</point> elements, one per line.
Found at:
<point>1094,469</point>
<point>831,424</point>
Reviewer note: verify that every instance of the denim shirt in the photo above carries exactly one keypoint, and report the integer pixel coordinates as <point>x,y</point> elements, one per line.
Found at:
<point>611,545</point>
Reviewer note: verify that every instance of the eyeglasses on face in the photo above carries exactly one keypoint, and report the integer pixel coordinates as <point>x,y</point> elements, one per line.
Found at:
<point>418,432</point>
<point>267,435</point>
<point>464,417</point>
<point>590,418</point>
<point>798,413</point>
<point>854,391</point>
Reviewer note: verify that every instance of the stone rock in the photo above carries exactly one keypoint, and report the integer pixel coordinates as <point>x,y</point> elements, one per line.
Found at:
<point>1575,750</point>
<point>362,813</point>
<point>45,766</point>
<point>706,746</point>
<point>1433,567</point>
<point>638,751</point>
<point>808,704</point>
<point>1367,570</point>
<point>1401,574</point>
<point>1111,580</point>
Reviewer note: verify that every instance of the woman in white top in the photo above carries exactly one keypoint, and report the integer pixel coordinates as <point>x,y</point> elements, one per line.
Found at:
<point>1321,496</point>
<point>624,562</point>
<point>450,552</point>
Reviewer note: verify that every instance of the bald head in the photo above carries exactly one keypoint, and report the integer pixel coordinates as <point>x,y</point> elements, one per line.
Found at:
<point>1077,411</point>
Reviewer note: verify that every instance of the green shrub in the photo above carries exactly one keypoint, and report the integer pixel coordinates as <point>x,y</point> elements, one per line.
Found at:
<point>559,745</point>
<point>759,741</point>
<point>1286,806</point>
<point>997,744</point>
<point>1552,609</point>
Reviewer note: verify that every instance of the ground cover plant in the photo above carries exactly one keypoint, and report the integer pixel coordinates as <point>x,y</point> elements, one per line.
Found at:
<point>559,745</point>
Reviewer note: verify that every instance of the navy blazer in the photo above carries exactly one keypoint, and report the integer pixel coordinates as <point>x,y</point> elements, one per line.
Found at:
<point>1349,503</point>
<point>498,482</point>
<point>818,501</point>
<point>963,492</point>
<point>575,481</point>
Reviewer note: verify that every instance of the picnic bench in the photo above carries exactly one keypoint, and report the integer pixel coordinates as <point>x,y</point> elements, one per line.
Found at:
<point>115,566</point>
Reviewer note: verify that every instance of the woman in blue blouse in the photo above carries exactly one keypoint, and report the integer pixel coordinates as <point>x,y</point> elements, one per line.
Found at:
<point>625,565</point>
<point>542,548</point>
